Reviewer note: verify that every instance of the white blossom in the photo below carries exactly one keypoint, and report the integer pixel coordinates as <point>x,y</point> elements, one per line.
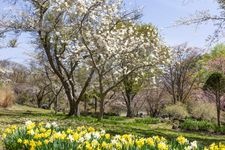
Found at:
<point>54,124</point>
<point>70,137</point>
<point>27,123</point>
<point>48,125</point>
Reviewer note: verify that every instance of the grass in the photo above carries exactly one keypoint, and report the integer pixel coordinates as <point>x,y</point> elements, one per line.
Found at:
<point>114,125</point>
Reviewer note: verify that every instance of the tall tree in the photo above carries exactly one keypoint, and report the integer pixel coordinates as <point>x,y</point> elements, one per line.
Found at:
<point>180,75</point>
<point>215,85</point>
<point>85,34</point>
<point>156,56</point>
<point>155,96</point>
<point>118,53</point>
<point>57,26</point>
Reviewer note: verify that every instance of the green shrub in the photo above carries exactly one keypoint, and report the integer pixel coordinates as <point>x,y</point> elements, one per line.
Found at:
<point>189,124</point>
<point>177,111</point>
<point>220,129</point>
<point>195,125</point>
<point>200,110</point>
<point>147,120</point>
<point>206,126</point>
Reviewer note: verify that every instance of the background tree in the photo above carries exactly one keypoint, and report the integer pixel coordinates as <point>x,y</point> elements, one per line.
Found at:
<point>14,72</point>
<point>133,83</point>
<point>181,74</point>
<point>215,59</point>
<point>155,96</point>
<point>202,17</point>
<point>39,80</point>
<point>215,85</point>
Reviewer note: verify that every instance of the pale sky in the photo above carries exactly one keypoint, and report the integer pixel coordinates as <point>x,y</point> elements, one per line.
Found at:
<point>161,13</point>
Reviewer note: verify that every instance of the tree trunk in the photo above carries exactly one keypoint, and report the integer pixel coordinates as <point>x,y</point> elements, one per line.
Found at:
<point>56,105</point>
<point>77,110</point>
<point>128,98</point>
<point>218,111</point>
<point>73,103</point>
<point>85,105</point>
<point>174,101</point>
<point>39,99</point>
<point>72,107</point>
<point>218,117</point>
<point>96,104</point>
<point>129,110</point>
<point>101,112</point>
<point>218,108</point>
<point>155,114</point>
<point>102,98</point>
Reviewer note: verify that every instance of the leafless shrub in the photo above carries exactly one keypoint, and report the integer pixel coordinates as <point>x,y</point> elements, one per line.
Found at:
<point>7,97</point>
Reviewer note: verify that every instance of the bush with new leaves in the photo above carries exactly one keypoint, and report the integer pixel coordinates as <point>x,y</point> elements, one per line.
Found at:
<point>200,110</point>
<point>176,111</point>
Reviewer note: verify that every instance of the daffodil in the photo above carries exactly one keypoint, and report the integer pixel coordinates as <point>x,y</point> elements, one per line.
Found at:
<point>76,136</point>
<point>107,136</point>
<point>162,146</point>
<point>104,145</point>
<point>32,143</point>
<point>38,143</point>
<point>30,132</point>
<point>20,141</point>
<point>150,141</point>
<point>88,146</point>
<point>182,140</point>
<point>91,129</point>
<point>25,142</point>
<point>4,135</point>
<point>140,142</point>
<point>46,141</point>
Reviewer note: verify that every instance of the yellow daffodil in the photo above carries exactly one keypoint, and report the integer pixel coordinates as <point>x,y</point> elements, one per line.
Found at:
<point>4,135</point>
<point>26,142</point>
<point>20,141</point>
<point>140,142</point>
<point>88,146</point>
<point>182,140</point>
<point>69,131</point>
<point>32,143</point>
<point>91,129</point>
<point>46,141</point>
<point>150,141</point>
<point>104,145</point>
<point>38,143</point>
<point>107,136</point>
<point>162,146</point>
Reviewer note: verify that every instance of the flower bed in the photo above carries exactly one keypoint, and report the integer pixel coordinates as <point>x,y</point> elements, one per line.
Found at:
<point>49,136</point>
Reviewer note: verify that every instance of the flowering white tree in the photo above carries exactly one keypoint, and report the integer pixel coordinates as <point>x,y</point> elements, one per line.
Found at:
<point>57,25</point>
<point>93,34</point>
<point>155,56</point>
<point>118,49</point>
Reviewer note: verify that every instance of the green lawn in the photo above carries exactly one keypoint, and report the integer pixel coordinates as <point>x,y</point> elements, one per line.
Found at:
<point>115,125</point>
